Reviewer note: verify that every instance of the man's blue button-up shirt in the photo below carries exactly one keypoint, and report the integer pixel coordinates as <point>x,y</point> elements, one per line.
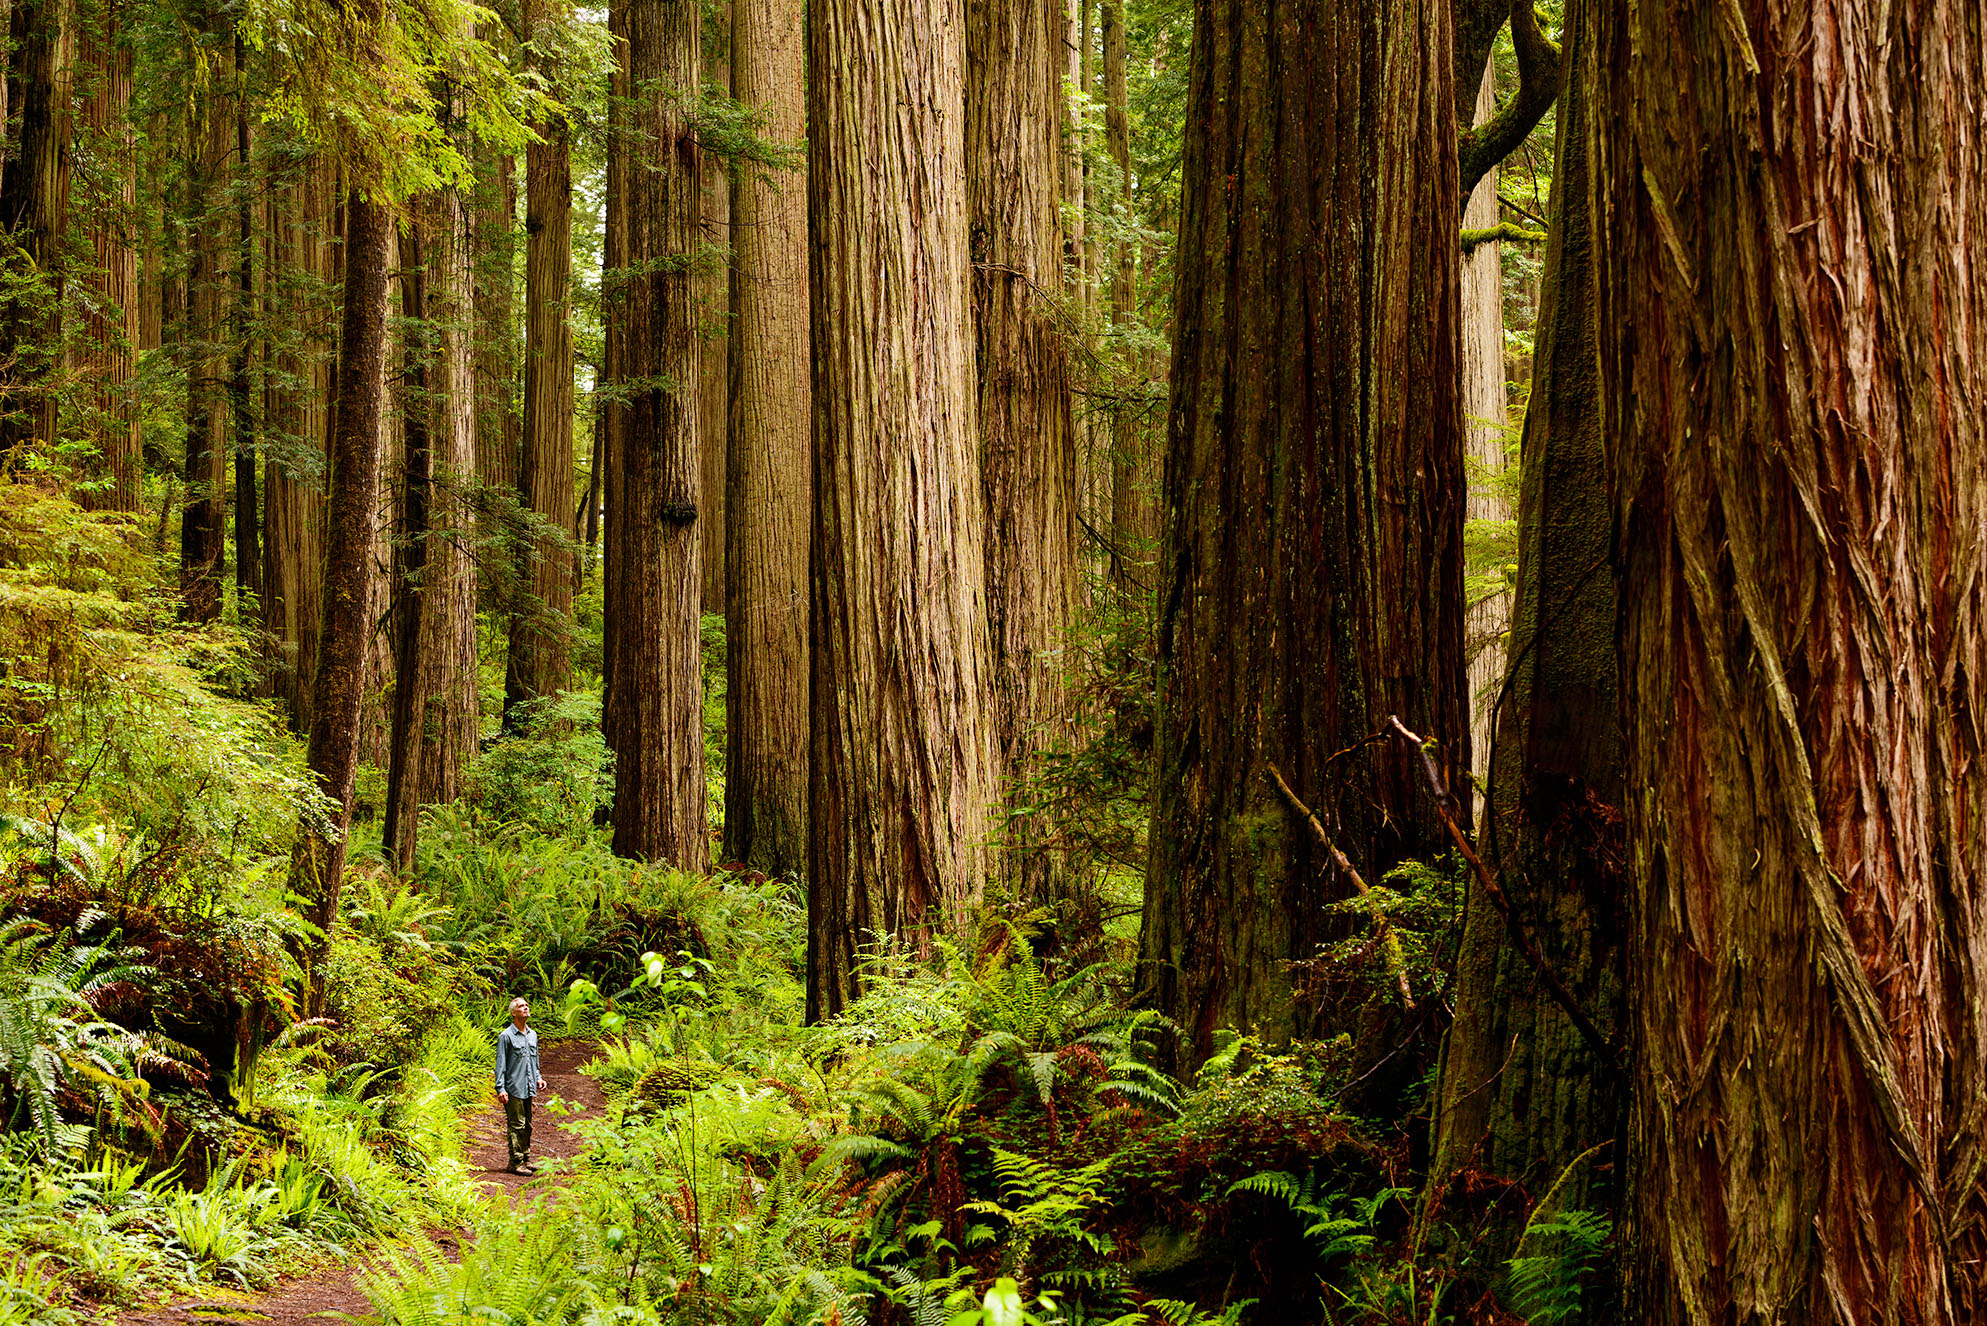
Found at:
<point>517,1062</point>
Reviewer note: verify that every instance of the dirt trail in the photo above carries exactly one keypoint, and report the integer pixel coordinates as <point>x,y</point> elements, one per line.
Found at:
<point>311,1300</point>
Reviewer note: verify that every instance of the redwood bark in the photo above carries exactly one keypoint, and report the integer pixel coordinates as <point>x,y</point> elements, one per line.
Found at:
<point>713,290</point>
<point>338,690</point>
<point>110,317</point>
<point>1028,459</point>
<point>538,663</point>
<point>1311,579</point>
<point>209,297</point>
<point>655,695</point>
<point>34,219</point>
<point>298,396</point>
<point>769,464</point>
<point>499,428</point>
<point>905,754</point>
<point>1791,314</point>
<point>1484,423</point>
<point>436,709</point>
<point>1133,466</point>
<point>1523,1095</point>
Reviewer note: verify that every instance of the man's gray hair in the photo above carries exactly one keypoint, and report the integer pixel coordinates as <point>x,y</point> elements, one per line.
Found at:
<point>515,1002</point>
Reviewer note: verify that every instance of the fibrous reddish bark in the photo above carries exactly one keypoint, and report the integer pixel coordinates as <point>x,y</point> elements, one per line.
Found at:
<point>655,691</point>
<point>1791,314</point>
<point>1027,445</point>
<point>538,663</point>
<point>905,759</point>
<point>769,463</point>
<point>1311,575</point>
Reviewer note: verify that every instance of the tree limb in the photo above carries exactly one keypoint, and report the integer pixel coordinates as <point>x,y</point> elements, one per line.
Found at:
<point>1444,801</point>
<point>1390,943</point>
<point>1483,147</point>
<point>1502,230</point>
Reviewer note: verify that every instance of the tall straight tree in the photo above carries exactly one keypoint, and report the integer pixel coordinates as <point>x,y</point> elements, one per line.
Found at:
<point>1311,581</point>
<point>499,429</point>
<point>713,287</point>
<point>768,463</point>
<point>613,413</point>
<point>1133,466</point>
<point>110,315</point>
<point>1014,113</point>
<point>1790,320</point>
<point>655,692</point>
<point>538,661</point>
<point>34,218</point>
<point>301,242</point>
<point>436,709</point>
<point>1524,1094</point>
<point>905,750</point>
<point>203,531</point>
<point>338,691</point>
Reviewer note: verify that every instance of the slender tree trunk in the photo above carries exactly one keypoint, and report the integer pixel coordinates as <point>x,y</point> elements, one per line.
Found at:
<point>656,695</point>
<point>713,292</point>
<point>538,660</point>
<point>1484,422</point>
<point>1027,446</point>
<point>1523,1094</point>
<point>241,319</point>
<point>614,323</point>
<point>905,754</point>
<point>110,336</point>
<point>1790,319</point>
<point>769,465</point>
<point>1311,581</point>
<point>1134,464</point>
<point>499,428</point>
<point>203,538</point>
<point>338,689</point>
<point>34,216</point>
<point>301,239</point>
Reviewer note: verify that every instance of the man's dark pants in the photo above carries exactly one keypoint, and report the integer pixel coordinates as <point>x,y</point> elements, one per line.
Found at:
<point>517,1120</point>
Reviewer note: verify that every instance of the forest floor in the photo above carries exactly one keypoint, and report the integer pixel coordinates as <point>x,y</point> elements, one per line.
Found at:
<point>328,1294</point>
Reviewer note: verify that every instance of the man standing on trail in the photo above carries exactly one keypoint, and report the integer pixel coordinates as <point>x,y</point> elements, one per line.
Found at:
<point>517,1082</point>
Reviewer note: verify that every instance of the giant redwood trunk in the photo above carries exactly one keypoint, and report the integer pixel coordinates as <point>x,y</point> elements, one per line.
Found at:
<point>1791,319</point>
<point>338,693</point>
<point>905,755</point>
<point>655,692</point>
<point>1027,445</point>
<point>1526,1100</point>
<point>436,711</point>
<point>538,658</point>
<point>1310,584</point>
<point>768,465</point>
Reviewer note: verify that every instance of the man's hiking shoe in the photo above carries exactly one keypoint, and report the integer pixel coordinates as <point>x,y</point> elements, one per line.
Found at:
<point>525,1170</point>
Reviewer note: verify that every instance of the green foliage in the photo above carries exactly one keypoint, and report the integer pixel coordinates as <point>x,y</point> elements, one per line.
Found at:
<point>552,776</point>
<point>1549,1280</point>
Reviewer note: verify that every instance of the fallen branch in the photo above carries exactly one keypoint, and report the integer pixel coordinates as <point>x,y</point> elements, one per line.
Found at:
<point>1444,805</point>
<point>1390,941</point>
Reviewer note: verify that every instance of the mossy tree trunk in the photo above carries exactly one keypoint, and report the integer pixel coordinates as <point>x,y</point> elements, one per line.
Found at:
<point>905,774</point>
<point>1796,412</point>
<point>1523,1094</point>
<point>1311,575</point>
